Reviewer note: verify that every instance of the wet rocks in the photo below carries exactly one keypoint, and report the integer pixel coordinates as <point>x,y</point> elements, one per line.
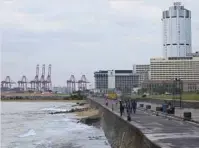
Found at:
<point>96,138</point>
<point>90,120</point>
<point>71,111</point>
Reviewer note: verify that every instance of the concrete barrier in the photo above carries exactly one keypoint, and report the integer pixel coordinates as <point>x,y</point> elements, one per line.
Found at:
<point>187,115</point>
<point>158,109</point>
<point>141,105</point>
<point>119,132</point>
<point>148,106</point>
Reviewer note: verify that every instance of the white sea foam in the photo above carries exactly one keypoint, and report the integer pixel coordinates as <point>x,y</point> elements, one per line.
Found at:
<point>77,127</point>
<point>68,120</point>
<point>31,132</point>
<point>66,108</point>
<point>54,109</point>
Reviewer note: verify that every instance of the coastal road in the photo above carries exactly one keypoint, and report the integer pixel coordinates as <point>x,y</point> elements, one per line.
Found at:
<point>168,133</point>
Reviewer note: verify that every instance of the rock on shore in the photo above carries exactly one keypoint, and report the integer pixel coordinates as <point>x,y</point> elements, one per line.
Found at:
<point>90,117</point>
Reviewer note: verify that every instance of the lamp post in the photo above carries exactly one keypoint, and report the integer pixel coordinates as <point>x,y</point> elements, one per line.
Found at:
<point>177,89</point>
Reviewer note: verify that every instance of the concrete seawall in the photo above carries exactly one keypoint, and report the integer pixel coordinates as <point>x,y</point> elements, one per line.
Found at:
<point>119,132</point>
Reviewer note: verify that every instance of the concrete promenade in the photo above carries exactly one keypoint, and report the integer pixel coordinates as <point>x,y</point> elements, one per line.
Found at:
<point>178,111</point>
<point>167,133</point>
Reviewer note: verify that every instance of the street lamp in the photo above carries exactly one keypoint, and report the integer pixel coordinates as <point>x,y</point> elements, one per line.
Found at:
<point>177,89</point>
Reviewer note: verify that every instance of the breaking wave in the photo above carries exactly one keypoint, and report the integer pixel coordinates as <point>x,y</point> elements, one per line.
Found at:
<point>31,132</point>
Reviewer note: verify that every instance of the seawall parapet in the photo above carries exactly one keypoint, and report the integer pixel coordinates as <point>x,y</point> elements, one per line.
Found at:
<point>145,130</point>
<point>119,132</point>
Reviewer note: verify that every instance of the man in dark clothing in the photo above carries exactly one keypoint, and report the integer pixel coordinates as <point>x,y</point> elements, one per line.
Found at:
<point>128,114</point>
<point>121,108</point>
<point>131,105</point>
<point>126,105</point>
<point>134,105</point>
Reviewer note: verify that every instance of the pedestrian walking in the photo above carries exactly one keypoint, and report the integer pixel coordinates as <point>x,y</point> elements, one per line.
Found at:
<point>106,102</point>
<point>128,114</point>
<point>121,108</point>
<point>125,106</point>
<point>134,106</point>
<point>131,106</point>
<point>112,105</point>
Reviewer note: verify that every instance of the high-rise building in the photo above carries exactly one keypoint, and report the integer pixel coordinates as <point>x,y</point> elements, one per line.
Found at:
<point>121,80</point>
<point>176,31</point>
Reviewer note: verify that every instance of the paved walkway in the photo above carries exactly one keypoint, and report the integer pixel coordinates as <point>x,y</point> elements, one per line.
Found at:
<point>178,111</point>
<point>165,132</point>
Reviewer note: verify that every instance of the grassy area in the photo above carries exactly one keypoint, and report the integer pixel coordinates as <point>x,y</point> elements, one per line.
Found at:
<point>188,97</point>
<point>64,95</point>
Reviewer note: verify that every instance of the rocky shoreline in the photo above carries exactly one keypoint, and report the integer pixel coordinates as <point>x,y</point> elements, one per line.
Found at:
<point>85,114</point>
<point>38,98</point>
<point>73,110</point>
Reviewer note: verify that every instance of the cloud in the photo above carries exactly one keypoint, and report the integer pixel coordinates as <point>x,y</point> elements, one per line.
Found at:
<point>136,9</point>
<point>81,36</point>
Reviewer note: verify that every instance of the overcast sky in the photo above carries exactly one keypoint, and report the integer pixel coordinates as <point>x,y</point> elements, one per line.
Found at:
<point>82,36</point>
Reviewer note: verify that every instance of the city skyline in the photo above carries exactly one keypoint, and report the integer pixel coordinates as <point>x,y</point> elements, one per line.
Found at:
<point>80,38</point>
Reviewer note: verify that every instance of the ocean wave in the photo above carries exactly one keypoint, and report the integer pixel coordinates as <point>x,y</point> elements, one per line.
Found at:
<point>54,109</point>
<point>31,132</point>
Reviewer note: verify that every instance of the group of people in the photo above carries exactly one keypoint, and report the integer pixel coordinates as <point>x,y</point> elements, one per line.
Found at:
<point>129,105</point>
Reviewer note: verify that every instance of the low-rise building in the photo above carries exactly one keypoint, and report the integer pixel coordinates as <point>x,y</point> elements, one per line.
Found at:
<point>143,71</point>
<point>185,68</point>
<point>121,80</point>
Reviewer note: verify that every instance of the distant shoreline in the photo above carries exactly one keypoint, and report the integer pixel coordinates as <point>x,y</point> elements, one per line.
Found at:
<point>40,100</point>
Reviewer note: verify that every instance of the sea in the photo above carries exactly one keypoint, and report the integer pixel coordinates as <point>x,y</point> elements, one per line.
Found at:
<point>30,125</point>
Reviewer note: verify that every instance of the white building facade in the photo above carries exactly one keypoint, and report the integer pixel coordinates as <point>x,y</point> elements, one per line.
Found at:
<point>121,80</point>
<point>176,31</point>
<point>111,79</point>
<point>143,71</point>
<point>185,68</point>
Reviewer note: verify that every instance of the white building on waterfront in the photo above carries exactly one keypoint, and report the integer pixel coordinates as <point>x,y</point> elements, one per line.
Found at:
<point>185,68</point>
<point>176,31</point>
<point>121,80</point>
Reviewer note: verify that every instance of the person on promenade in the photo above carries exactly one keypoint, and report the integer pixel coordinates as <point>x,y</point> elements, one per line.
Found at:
<point>121,108</point>
<point>112,107</point>
<point>128,113</point>
<point>117,101</point>
<point>127,107</point>
<point>106,102</point>
<point>134,105</point>
<point>131,105</point>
